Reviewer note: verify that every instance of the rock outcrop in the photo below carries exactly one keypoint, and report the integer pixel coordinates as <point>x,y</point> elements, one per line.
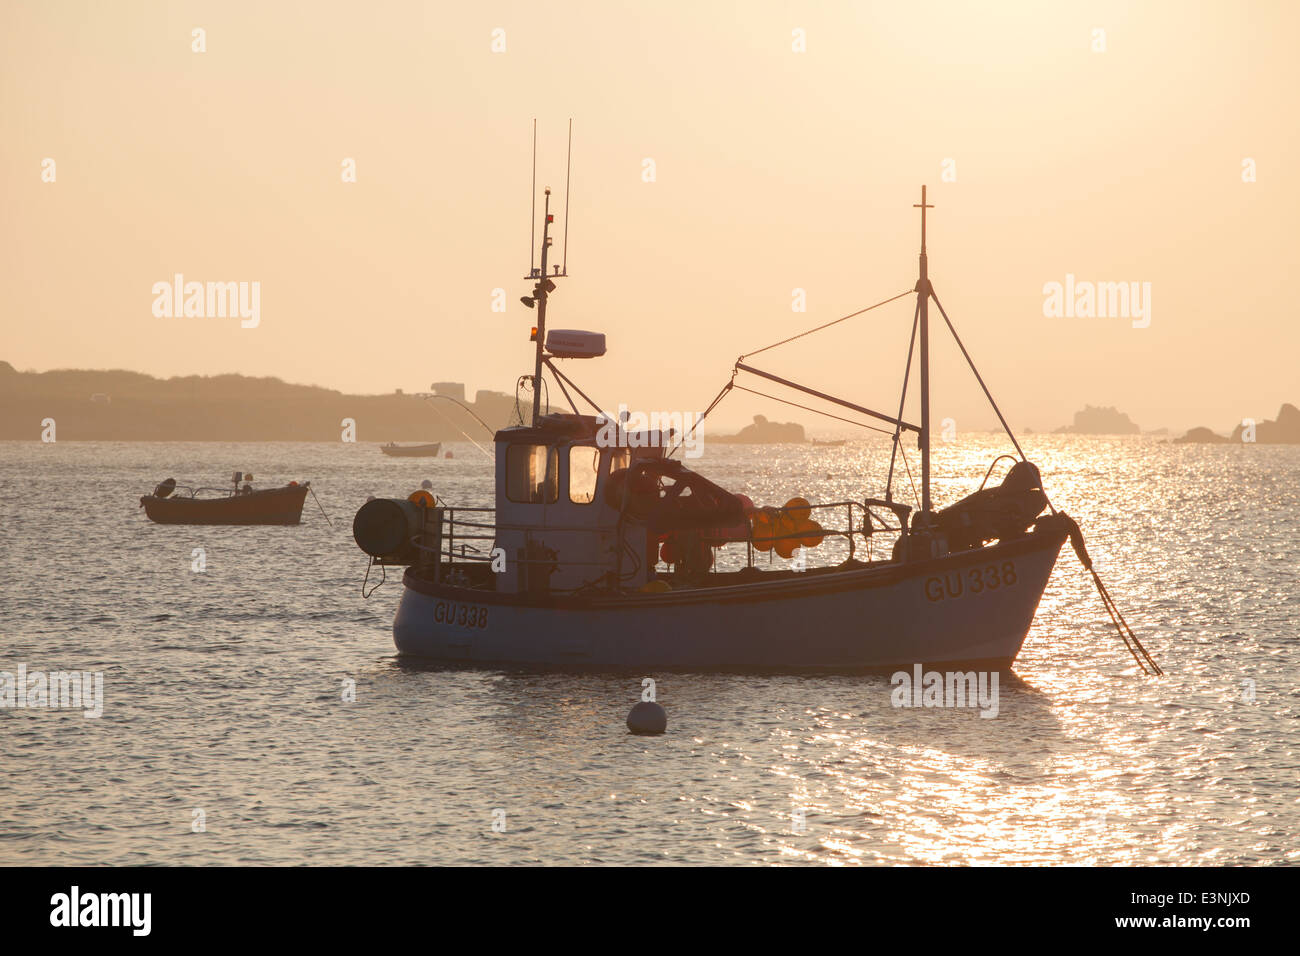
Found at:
<point>1202,436</point>
<point>763,432</point>
<point>1100,421</point>
<point>1283,430</point>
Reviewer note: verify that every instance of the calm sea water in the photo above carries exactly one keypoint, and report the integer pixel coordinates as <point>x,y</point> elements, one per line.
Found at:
<point>223,688</point>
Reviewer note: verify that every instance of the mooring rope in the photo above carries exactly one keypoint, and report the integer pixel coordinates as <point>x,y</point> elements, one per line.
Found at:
<point>383,577</point>
<point>1140,653</point>
<point>318,504</point>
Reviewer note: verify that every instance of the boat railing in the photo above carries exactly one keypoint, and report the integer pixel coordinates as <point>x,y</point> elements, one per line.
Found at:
<point>470,534</point>
<point>861,522</point>
<point>461,532</point>
<point>225,491</point>
<point>194,492</point>
<point>186,491</point>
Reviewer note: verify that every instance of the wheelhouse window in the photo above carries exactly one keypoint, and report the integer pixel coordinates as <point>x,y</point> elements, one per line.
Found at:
<point>532,474</point>
<point>584,472</point>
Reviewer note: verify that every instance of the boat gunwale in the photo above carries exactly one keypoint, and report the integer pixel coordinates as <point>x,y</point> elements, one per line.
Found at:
<point>1048,533</point>
<point>227,494</point>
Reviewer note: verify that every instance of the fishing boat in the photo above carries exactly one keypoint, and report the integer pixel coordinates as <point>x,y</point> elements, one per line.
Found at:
<point>241,504</point>
<point>412,451</point>
<point>831,443</point>
<point>600,551</point>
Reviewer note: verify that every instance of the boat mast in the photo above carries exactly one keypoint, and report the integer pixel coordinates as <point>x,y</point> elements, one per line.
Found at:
<point>923,290</point>
<point>545,285</point>
<point>540,292</point>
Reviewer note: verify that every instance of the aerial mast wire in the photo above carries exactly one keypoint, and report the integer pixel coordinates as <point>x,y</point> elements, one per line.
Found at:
<point>532,213</point>
<point>544,284</point>
<point>568,168</point>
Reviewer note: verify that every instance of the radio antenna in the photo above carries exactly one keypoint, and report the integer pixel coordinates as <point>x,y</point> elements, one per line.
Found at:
<point>568,168</point>
<point>532,215</point>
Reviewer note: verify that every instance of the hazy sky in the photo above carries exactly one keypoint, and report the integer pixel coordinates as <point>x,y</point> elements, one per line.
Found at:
<point>774,170</point>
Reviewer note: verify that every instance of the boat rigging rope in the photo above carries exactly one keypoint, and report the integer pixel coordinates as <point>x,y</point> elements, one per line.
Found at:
<point>1140,653</point>
<point>902,402</point>
<point>561,378</point>
<point>844,318</point>
<point>910,480</point>
<point>712,405</point>
<point>826,325</point>
<point>987,394</point>
<point>979,378</point>
<point>815,411</point>
<point>429,399</point>
<point>486,427</point>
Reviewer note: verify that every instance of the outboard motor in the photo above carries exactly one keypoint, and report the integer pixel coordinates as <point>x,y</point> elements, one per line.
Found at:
<point>1003,512</point>
<point>384,528</point>
<point>165,488</point>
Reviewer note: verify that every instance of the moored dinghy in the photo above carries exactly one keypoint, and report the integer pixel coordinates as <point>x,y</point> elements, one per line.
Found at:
<point>412,451</point>
<point>239,505</point>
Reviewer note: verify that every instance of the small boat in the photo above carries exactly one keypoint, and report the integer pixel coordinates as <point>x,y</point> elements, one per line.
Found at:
<point>238,505</point>
<point>833,443</point>
<point>412,451</point>
<point>600,552</point>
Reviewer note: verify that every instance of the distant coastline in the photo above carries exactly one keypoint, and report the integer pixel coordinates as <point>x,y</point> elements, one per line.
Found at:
<point>120,405</point>
<point>117,405</point>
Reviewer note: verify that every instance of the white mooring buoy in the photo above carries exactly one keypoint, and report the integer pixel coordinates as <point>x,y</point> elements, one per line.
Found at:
<point>647,717</point>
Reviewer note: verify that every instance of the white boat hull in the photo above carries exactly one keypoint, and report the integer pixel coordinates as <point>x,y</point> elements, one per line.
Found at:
<point>972,609</point>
